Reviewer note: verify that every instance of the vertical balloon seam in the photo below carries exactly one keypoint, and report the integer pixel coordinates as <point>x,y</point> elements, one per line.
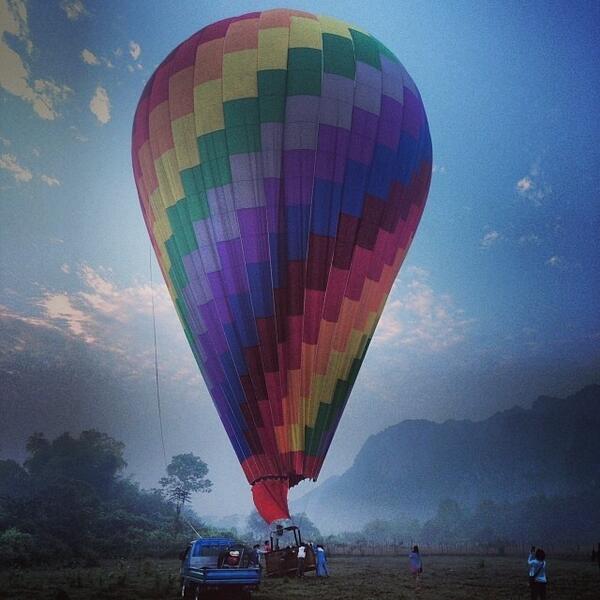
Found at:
<point>194,264</point>
<point>275,261</point>
<point>288,157</point>
<point>400,254</point>
<point>342,360</point>
<point>235,421</point>
<point>167,67</point>
<point>273,401</point>
<point>259,461</point>
<point>307,304</point>
<point>253,320</point>
<point>309,395</point>
<point>317,389</point>
<point>302,403</point>
<point>333,362</point>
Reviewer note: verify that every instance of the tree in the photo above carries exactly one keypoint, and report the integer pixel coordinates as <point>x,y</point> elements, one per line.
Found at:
<point>186,474</point>
<point>93,457</point>
<point>256,527</point>
<point>308,529</point>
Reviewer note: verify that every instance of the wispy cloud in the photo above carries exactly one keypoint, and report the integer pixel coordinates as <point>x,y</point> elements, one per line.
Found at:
<point>102,307</point>
<point>100,105</point>
<point>58,307</point>
<point>134,50</point>
<point>117,319</point>
<point>7,313</point>
<point>8,162</point>
<point>441,169</point>
<point>534,186</point>
<point>15,75</point>
<point>5,141</point>
<point>74,9</point>
<point>49,180</point>
<point>490,238</point>
<point>419,317</point>
<point>89,58</point>
<point>557,262</point>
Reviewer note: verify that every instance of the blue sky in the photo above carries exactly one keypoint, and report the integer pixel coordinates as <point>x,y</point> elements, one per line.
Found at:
<point>498,299</point>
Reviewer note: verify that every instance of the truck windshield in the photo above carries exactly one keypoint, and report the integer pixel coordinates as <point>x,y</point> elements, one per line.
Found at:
<point>208,549</point>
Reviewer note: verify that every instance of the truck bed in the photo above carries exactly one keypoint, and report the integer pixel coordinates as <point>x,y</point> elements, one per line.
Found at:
<point>213,576</point>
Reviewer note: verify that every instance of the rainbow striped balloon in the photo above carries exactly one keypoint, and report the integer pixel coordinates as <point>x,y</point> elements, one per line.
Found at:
<point>282,161</point>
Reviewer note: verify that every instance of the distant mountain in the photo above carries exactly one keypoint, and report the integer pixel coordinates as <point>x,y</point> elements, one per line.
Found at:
<point>553,448</point>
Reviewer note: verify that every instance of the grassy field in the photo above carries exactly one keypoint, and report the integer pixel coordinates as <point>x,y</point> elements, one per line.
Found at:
<point>445,578</point>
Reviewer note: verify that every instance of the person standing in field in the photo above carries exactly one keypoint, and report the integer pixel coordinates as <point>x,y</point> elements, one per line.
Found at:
<point>416,565</point>
<point>537,573</point>
<point>322,570</point>
<point>301,558</point>
<point>255,556</point>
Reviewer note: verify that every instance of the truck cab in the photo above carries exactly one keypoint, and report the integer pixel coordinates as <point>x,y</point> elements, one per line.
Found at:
<point>217,564</point>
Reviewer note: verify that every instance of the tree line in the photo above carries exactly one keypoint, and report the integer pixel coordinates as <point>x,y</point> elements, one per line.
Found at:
<point>70,501</point>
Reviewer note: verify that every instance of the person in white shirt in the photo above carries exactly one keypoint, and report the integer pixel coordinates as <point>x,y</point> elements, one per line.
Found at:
<point>301,558</point>
<point>537,573</point>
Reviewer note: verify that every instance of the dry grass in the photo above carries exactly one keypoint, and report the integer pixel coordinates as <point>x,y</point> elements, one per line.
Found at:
<point>445,578</point>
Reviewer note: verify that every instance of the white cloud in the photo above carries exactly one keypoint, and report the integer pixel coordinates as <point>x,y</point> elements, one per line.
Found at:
<point>119,319</point>
<point>89,58</point>
<point>100,105</point>
<point>418,317</point>
<point>438,169</point>
<point>49,180</point>
<point>6,313</point>
<point>556,262</point>
<point>134,50</point>
<point>130,68</point>
<point>74,9</point>
<point>490,238</point>
<point>9,163</point>
<point>36,152</point>
<point>525,184</point>
<point>5,141</point>
<point>15,76</point>
<point>533,186</point>
<point>58,307</point>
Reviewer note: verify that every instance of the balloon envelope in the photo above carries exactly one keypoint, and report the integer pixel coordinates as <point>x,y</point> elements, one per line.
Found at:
<point>282,161</point>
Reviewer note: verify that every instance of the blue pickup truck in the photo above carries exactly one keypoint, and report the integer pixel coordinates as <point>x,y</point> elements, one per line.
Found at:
<point>218,564</point>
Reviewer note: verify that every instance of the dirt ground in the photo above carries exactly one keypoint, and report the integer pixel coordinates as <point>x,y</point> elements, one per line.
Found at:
<point>352,578</point>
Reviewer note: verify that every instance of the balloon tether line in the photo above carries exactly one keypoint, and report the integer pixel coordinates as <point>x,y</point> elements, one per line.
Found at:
<point>156,378</point>
<point>157,382</point>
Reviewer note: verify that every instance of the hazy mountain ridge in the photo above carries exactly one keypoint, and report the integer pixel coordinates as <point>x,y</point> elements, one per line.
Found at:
<point>553,448</point>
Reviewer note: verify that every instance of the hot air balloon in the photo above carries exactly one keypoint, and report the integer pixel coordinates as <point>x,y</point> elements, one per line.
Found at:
<point>282,161</point>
